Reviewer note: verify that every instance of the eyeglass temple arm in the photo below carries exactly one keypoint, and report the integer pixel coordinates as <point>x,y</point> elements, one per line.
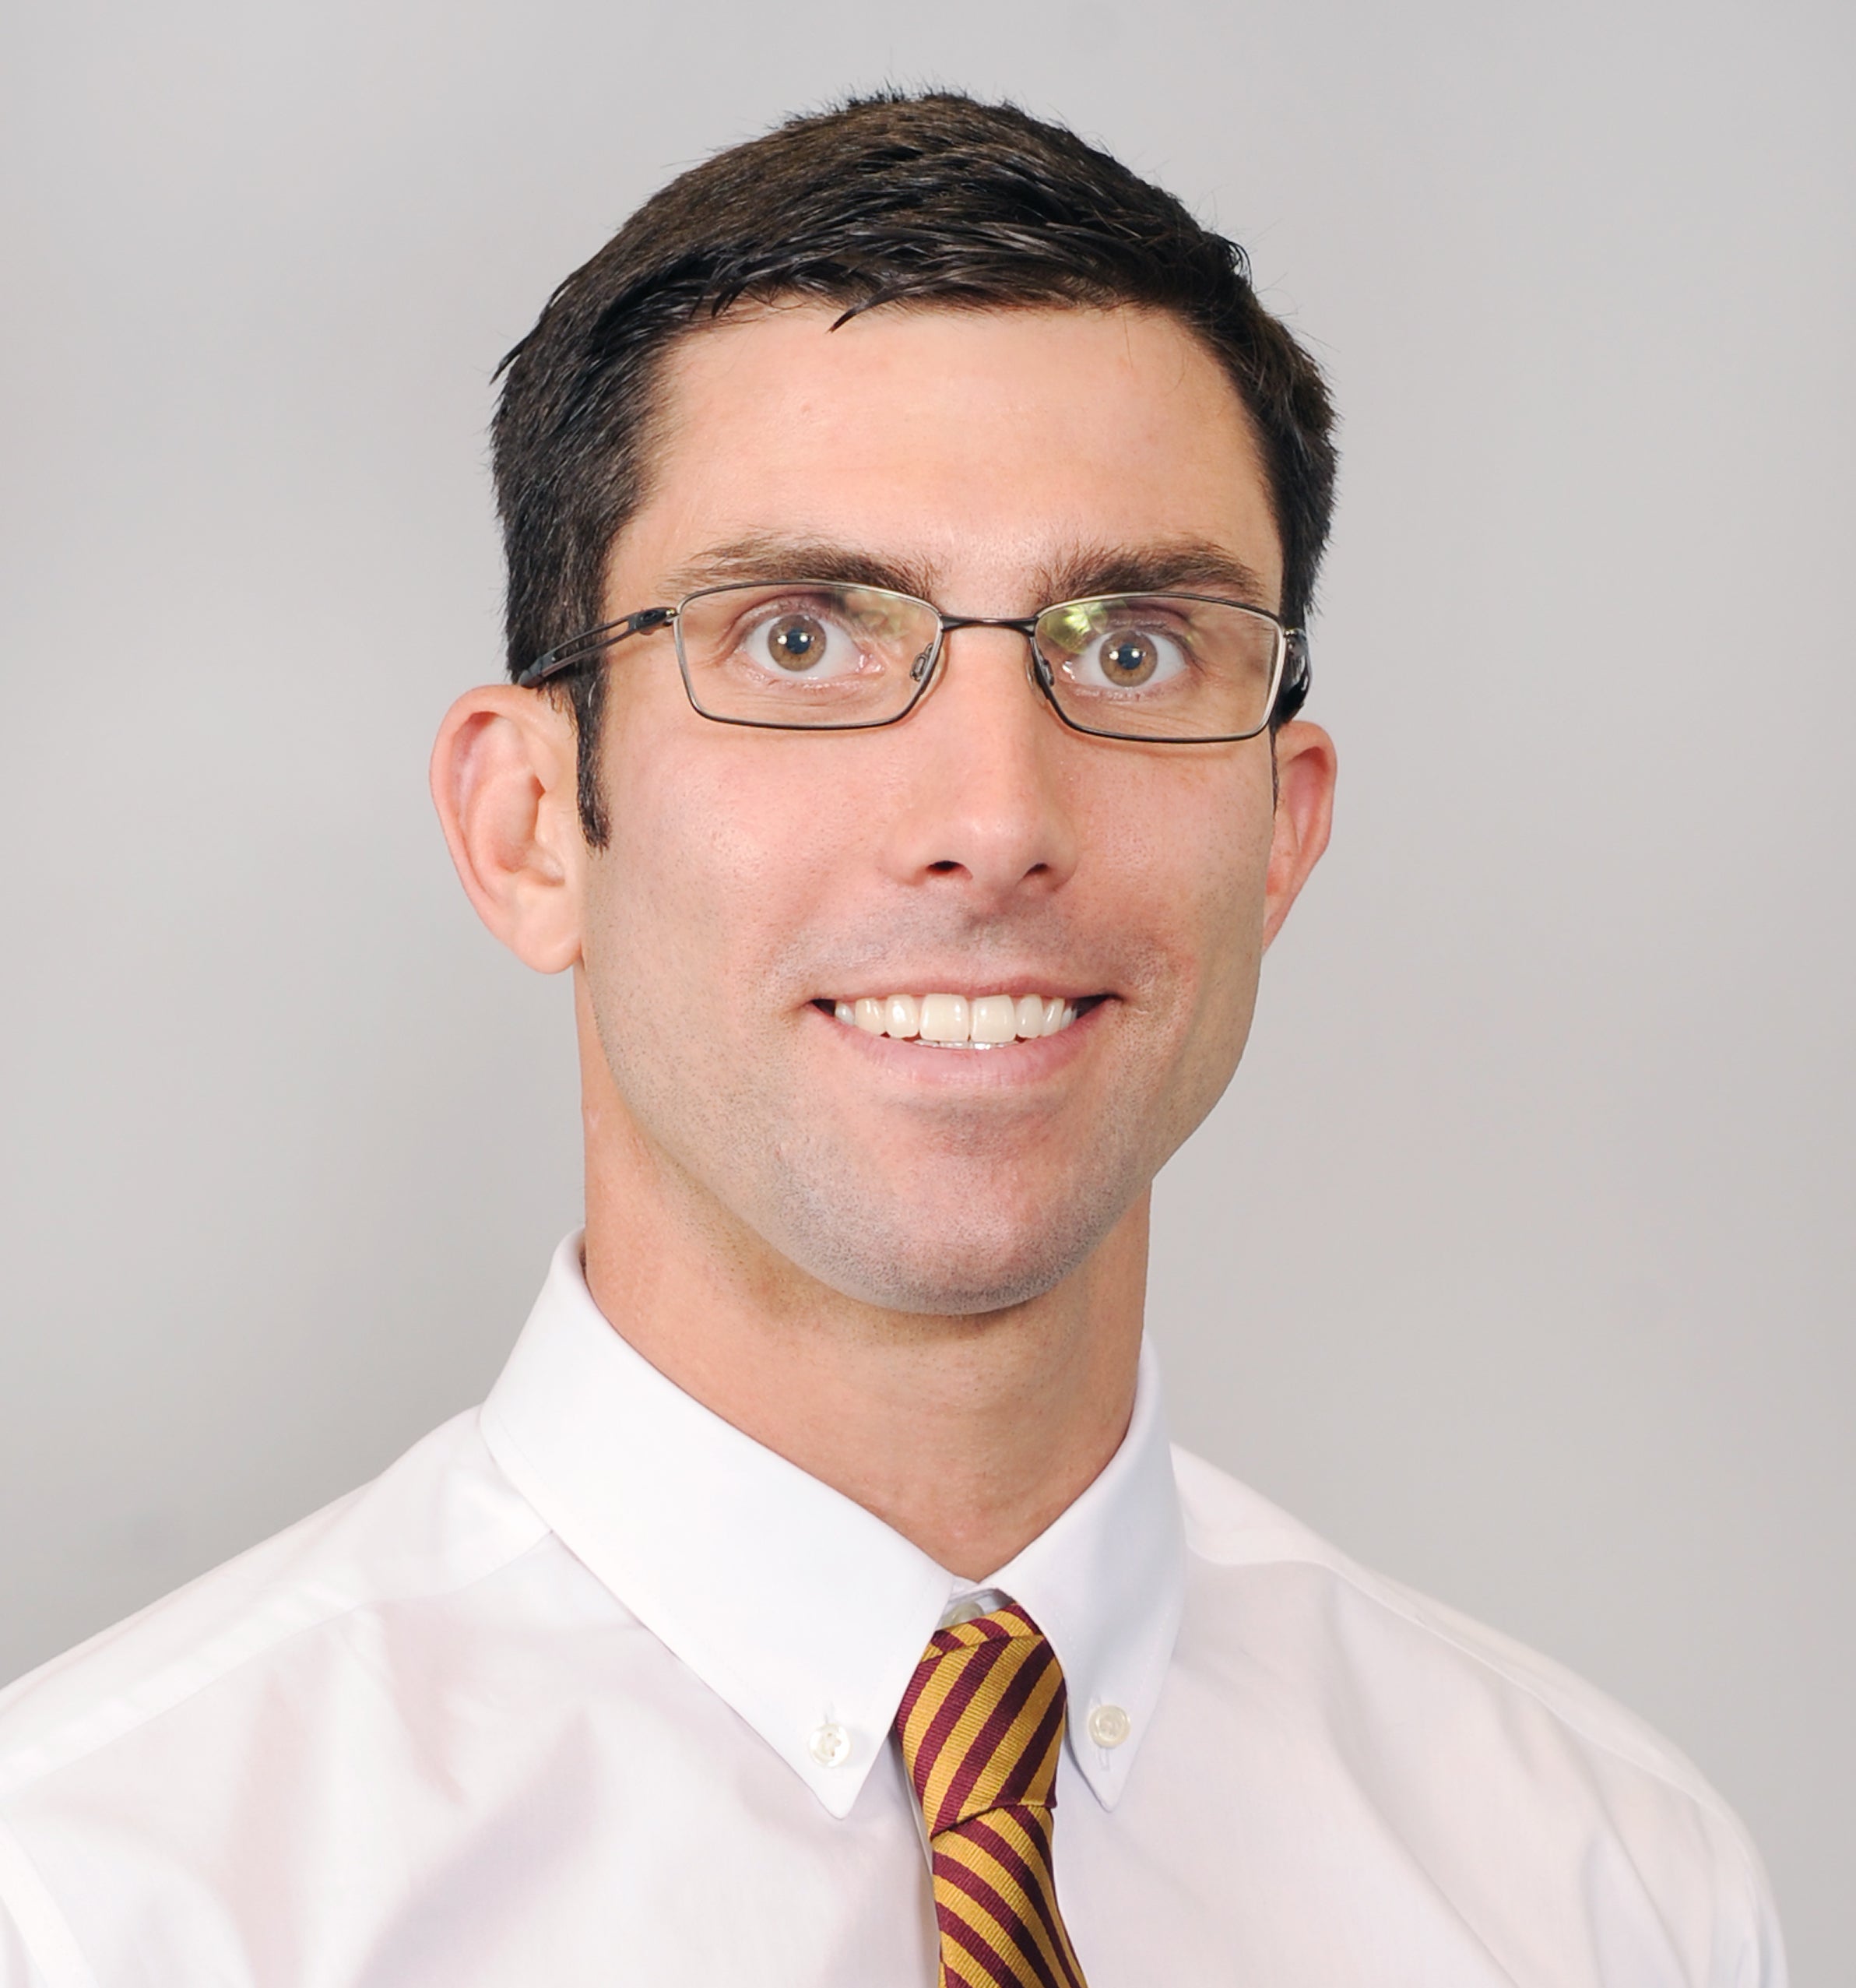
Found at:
<point>1292,692</point>
<point>571,653</point>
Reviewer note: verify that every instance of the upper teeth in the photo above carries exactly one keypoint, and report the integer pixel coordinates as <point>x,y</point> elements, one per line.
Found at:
<point>943,1018</point>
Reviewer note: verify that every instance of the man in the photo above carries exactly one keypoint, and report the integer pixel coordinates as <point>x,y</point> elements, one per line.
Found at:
<point>912,520</point>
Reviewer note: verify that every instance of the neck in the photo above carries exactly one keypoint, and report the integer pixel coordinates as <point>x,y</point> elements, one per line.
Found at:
<point>967,1434</point>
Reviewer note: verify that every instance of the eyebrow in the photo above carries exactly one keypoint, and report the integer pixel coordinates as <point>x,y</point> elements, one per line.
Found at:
<point>1194,566</point>
<point>765,557</point>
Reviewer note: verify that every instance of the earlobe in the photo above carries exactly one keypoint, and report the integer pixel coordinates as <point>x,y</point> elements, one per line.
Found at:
<point>503,777</point>
<point>1305,769</point>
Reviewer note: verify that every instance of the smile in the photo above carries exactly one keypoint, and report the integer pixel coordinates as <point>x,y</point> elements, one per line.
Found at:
<point>950,1021</point>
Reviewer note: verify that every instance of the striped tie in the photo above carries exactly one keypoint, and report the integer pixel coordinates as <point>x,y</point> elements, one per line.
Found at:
<point>981,1725</point>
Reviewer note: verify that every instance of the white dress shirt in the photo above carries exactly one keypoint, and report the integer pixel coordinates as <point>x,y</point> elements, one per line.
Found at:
<point>589,1689</point>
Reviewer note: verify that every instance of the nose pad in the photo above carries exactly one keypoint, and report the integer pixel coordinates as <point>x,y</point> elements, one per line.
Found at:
<point>1039,671</point>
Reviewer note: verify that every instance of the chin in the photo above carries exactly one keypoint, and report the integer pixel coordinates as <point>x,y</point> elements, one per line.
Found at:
<point>924,1261</point>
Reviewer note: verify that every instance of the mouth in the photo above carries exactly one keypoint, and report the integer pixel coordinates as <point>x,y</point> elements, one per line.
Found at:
<point>960,1021</point>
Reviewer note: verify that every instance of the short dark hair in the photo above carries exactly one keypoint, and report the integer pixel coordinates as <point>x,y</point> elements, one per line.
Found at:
<point>930,197</point>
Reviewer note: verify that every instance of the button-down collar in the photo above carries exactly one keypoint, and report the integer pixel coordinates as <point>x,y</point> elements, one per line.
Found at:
<point>800,1610</point>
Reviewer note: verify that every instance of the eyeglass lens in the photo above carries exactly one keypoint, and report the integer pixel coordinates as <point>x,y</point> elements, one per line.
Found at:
<point>1130,666</point>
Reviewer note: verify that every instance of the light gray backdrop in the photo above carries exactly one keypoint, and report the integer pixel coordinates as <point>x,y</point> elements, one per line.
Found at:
<point>1519,1258</point>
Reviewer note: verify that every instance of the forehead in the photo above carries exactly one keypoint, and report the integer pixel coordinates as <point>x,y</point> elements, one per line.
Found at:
<point>976,446</point>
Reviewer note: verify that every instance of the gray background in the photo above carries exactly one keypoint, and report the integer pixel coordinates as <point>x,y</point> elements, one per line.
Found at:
<point>1517,1260</point>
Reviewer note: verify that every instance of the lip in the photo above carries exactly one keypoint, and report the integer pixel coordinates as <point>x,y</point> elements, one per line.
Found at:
<point>1007,1067</point>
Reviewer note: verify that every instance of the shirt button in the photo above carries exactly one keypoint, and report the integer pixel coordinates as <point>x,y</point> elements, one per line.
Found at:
<point>831,1746</point>
<point>1108,1725</point>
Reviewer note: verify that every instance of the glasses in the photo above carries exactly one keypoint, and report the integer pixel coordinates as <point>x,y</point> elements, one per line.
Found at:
<point>1173,669</point>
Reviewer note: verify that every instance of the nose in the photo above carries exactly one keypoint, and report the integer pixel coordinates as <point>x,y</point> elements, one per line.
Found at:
<point>988,801</point>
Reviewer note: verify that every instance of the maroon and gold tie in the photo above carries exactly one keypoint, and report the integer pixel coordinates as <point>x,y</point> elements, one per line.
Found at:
<point>981,1725</point>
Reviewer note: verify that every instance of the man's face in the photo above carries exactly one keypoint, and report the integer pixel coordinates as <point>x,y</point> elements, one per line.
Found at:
<point>753,880</point>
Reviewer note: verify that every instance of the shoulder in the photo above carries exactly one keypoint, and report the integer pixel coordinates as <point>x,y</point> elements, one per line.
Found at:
<point>1230,1526</point>
<point>1463,1738</point>
<point>440,1518</point>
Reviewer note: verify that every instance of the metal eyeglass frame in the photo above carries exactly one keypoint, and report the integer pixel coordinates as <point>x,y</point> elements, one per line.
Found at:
<point>1291,670</point>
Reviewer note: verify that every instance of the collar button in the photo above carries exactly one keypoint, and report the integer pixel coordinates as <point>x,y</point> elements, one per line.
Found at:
<point>830,1746</point>
<point>1109,1726</point>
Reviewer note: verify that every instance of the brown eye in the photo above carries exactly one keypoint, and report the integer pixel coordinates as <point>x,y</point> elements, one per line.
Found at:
<point>1129,659</point>
<point>796,641</point>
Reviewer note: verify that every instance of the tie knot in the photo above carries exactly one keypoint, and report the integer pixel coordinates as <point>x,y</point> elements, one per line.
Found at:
<point>982,1720</point>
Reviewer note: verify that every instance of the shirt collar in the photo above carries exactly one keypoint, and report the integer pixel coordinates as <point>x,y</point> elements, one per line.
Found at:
<point>800,1610</point>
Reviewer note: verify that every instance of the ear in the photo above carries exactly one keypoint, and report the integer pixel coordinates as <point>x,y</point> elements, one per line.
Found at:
<point>504,779</point>
<point>1305,767</point>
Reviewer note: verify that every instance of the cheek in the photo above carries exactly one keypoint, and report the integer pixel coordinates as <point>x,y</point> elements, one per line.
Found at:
<point>1227,910</point>
<point>1188,857</point>
<point>713,850</point>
